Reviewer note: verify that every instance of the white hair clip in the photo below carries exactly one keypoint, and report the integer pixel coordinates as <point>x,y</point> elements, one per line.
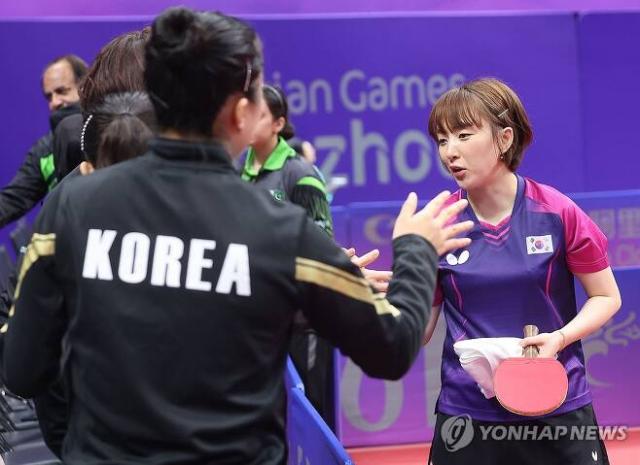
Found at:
<point>83,145</point>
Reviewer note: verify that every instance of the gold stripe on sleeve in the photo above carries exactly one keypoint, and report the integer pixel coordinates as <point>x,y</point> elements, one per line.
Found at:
<point>337,280</point>
<point>383,306</point>
<point>41,245</point>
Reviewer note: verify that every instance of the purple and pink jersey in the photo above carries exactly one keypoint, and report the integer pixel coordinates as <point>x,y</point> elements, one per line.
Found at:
<point>516,273</point>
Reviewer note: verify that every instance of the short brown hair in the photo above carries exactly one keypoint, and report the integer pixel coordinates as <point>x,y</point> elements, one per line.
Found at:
<point>119,67</point>
<point>487,98</point>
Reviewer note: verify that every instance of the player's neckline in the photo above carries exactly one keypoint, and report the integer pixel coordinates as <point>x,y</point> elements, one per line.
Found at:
<point>494,227</point>
<point>505,221</point>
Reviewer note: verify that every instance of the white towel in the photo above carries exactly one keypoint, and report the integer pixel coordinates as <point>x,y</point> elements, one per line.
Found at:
<point>480,358</point>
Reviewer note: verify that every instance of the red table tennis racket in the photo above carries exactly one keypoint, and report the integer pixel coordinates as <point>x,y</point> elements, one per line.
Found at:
<point>532,385</point>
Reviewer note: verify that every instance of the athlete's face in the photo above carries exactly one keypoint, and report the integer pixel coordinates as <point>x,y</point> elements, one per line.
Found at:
<point>472,155</point>
<point>268,127</point>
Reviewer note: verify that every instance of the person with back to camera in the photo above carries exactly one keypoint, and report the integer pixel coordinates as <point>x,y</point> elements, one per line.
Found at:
<point>118,67</point>
<point>156,277</point>
<point>529,242</point>
<point>273,165</point>
<point>120,129</point>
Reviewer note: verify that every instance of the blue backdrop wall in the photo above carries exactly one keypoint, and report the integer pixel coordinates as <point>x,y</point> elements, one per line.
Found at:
<point>361,88</point>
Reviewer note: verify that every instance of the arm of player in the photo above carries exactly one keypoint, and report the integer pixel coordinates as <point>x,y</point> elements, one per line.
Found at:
<point>382,335</point>
<point>37,321</point>
<point>586,256</point>
<point>52,409</point>
<point>602,303</point>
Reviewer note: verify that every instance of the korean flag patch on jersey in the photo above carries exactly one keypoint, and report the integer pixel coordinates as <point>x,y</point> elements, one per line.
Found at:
<point>539,244</point>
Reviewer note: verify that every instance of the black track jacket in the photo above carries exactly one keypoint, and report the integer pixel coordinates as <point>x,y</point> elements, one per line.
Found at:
<point>166,287</point>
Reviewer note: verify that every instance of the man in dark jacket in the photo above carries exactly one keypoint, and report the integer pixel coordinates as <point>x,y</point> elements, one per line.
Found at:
<point>39,171</point>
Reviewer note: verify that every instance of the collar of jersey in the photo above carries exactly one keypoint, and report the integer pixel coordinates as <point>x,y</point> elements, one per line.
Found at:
<point>506,221</point>
<point>210,151</point>
<point>274,162</point>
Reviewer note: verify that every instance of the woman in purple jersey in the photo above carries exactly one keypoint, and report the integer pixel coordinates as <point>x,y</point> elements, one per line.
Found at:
<point>529,242</point>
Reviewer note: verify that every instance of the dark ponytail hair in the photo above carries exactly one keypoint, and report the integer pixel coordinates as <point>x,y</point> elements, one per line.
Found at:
<point>194,62</point>
<point>119,129</point>
<point>279,108</point>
